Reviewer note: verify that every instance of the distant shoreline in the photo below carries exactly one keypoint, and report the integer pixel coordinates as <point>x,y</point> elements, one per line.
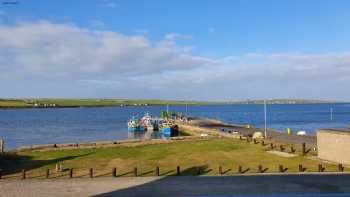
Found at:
<point>75,103</point>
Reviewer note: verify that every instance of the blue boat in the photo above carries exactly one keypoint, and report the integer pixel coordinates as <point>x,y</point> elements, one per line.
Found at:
<point>169,129</point>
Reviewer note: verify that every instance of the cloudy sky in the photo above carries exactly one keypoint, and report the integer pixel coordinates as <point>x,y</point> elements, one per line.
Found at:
<point>198,50</point>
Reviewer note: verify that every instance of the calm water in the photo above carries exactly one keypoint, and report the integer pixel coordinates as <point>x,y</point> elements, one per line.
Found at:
<point>43,126</point>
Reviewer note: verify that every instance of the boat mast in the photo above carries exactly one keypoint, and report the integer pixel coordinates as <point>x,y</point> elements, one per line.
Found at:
<point>331,113</point>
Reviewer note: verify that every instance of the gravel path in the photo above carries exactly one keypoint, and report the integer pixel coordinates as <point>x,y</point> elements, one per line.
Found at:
<point>179,186</point>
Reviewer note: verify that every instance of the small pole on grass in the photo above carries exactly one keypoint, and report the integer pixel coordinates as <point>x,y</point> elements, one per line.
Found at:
<point>71,173</point>
<point>271,146</point>
<point>47,173</point>
<point>320,168</point>
<point>114,172</point>
<point>220,170</point>
<point>292,150</point>
<point>135,171</point>
<point>263,143</point>
<point>304,148</point>
<point>340,167</point>
<point>260,169</point>
<point>199,171</point>
<point>280,168</point>
<point>301,168</point>
<point>281,148</point>
<point>91,173</point>
<point>178,170</point>
<point>240,169</point>
<point>265,118</point>
<point>23,174</point>
<point>157,171</point>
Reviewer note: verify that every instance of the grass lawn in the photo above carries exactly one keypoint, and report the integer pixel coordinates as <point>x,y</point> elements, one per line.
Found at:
<point>189,155</point>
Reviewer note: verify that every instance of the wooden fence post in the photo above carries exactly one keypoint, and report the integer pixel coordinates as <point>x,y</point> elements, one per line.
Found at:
<point>263,143</point>
<point>23,174</point>
<point>71,173</point>
<point>271,146</point>
<point>320,168</point>
<point>301,168</point>
<point>91,173</point>
<point>220,170</point>
<point>292,150</point>
<point>47,173</point>
<point>135,171</point>
<point>178,170</point>
<point>280,168</point>
<point>114,172</point>
<point>199,171</point>
<point>281,148</point>
<point>303,148</point>
<point>240,169</point>
<point>260,169</point>
<point>157,171</point>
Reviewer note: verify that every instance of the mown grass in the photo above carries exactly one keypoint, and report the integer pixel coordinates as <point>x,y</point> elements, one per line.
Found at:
<point>208,155</point>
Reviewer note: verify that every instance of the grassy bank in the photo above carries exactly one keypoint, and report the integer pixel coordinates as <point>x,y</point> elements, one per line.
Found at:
<point>207,154</point>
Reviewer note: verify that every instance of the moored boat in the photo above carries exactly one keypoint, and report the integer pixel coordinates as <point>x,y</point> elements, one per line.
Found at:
<point>134,125</point>
<point>169,129</point>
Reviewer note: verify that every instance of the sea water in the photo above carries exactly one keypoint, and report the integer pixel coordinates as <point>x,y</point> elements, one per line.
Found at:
<point>20,127</point>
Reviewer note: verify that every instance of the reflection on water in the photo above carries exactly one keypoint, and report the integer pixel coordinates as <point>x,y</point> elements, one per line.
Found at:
<point>141,135</point>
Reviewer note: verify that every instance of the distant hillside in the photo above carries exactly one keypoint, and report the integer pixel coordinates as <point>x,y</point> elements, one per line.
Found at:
<point>56,103</point>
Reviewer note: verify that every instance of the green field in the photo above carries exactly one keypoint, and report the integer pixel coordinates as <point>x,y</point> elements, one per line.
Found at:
<point>21,103</point>
<point>189,155</point>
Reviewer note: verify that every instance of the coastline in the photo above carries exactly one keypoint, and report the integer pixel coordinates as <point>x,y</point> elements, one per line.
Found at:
<point>197,128</point>
<point>217,126</point>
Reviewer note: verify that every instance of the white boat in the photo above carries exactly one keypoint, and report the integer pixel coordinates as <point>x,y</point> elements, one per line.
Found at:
<point>147,122</point>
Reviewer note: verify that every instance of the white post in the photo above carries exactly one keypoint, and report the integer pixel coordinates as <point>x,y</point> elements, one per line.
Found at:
<point>265,119</point>
<point>331,113</point>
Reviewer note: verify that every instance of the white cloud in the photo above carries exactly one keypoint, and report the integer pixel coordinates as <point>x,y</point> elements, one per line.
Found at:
<point>49,49</point>
<point>107,3</point>
<point>48,59</point>
<point>174,36</point>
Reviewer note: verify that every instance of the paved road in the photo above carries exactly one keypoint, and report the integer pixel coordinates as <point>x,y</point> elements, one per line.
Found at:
<point>287,185</point>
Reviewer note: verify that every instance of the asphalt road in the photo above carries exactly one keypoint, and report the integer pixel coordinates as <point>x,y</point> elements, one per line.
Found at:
<point>270,185</point>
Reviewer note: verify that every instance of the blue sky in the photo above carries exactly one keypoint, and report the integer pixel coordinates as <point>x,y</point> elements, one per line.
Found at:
<point>202,50</point>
